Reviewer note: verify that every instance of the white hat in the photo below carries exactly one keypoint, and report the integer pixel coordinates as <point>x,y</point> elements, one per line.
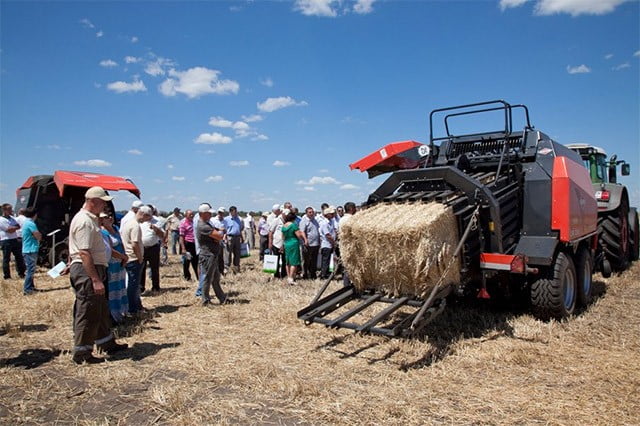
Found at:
<point>286,212</point>
<point>265,213</point>
<point>136,204</point>
<point>146,210</point>
<point>275,207</point>
<point>329,210</point>
<point>103,214</point>
<point>97,192</point>
<point>204,208</point>
<point>221,210</point>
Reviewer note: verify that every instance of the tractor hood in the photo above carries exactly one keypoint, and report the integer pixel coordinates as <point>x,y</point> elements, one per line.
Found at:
<point>392,157</point>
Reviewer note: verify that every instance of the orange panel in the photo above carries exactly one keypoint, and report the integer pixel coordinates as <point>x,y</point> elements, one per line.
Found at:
<point>573,208</point>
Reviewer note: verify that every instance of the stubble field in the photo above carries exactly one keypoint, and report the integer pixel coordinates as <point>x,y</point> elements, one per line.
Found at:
<point>253,362</point>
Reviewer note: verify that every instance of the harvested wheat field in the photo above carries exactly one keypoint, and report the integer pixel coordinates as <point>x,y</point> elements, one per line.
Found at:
<point>253,362</point>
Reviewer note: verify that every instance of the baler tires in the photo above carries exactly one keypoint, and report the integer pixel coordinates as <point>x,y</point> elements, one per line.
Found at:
<point>634,235</point>
<point>555,296</point>
<point>584,274</point>
<point>613,231</point>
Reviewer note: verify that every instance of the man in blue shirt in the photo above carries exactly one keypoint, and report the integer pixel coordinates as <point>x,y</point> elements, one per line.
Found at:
<point>30,244</point>
<point>235,226</point>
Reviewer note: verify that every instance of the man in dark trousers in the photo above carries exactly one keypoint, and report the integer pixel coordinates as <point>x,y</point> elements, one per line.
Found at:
<point>209,239</point>
<point>88,274</point>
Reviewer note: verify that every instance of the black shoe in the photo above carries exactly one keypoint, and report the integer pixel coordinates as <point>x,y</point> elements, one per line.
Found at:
<point>206,302</point>
<point>81,358</point>
<point>115,348</point>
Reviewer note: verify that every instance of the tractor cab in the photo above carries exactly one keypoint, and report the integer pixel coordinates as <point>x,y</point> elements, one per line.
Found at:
<point>600,169</point>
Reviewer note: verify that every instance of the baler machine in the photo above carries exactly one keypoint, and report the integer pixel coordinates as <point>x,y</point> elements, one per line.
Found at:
<point>525,213</point>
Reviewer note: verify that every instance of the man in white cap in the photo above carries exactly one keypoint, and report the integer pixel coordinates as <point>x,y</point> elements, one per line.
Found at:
<point>131,213</point>
<point>209,238</point>
<point>328,238</point>
<point>88,273</point>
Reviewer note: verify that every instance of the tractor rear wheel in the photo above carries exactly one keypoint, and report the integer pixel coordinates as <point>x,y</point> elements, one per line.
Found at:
<point>634,237</point>
<point>613,231</point>
<point>584,272</point>
<point>555,295</point>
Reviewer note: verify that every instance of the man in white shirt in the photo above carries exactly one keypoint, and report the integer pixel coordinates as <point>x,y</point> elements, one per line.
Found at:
<point>9,227</point>
<point>276,241</point>
<point>249,231</point>
<point>152,237</point>
<point>327,241</point>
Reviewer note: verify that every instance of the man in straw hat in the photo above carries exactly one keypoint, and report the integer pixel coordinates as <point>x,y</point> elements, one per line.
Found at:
<point>88,274</point>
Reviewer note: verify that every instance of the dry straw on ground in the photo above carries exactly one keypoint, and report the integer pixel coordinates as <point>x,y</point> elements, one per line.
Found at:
<point>255,363</point>
<point>402,249</point>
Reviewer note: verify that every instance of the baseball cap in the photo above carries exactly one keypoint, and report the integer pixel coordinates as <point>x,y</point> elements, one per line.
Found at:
<point>136,204</point>
<point>221,210</point>
<point>329,210</point>
<point>204,208</point>
<point>97,192</point>
<point>146,210</point>
<point>275,207</point>
<point>265,214</point>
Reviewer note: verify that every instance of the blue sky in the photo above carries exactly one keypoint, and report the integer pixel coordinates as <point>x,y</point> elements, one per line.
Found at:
<point>253,103</point>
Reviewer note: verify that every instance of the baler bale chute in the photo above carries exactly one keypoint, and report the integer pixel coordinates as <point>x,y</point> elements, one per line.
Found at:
<point>511,211</point>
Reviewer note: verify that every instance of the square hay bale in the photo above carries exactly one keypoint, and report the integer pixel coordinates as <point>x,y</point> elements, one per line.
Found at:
<point>401,249</point>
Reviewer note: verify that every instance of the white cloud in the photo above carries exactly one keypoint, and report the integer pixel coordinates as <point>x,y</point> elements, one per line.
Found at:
<point>92,163</point>
<point>608,56</point>
<point>316,7</point>
<point>55,147</point>
<point>323,171</point>
<point>227,124</point>
<point>576,7</point>
<point>252,118</point>
<point>572,7</point>
<point>267,82</point>
<point>506,4</point>
<point>216,178</point>
<point>170,166</point>
<point>158,66</point>
<point>274,104</point>
<point>131,59</point>
<point>260,137</point>
<point>134,39</point>
<point>309,188</point>
<point>637,53</point>
<point>315,180</point>
<point>123,87</point>
<point>87,23</point>
<point>108,63</point>
<point>349,186</point>
<point>279,163</point>
<point>241,163</point>
<point>135,152</point>
<point>580,69</point>
<point>212,139</point>
<point>196,82</point>
<point>363,7</point>
<point>99,34</point>
<point>178,178</point>
<point>621,66</point>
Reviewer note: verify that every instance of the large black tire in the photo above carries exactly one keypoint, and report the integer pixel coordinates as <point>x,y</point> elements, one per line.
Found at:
<point>634,235</point>
<point>584,274</point>
<point>555,295</point>
<point>613,232</point>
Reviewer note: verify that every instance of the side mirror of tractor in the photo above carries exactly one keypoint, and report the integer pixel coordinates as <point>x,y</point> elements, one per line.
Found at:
<point>626,169</point>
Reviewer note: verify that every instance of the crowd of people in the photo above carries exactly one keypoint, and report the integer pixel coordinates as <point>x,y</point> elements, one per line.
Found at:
<point>108,265</point>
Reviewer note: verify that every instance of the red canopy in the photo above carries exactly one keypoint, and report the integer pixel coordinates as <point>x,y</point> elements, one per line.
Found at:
<point>87,180</point>
<point>388,159</point>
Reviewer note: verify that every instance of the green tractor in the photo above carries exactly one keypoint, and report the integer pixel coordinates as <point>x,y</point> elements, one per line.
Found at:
<point>617,221</point>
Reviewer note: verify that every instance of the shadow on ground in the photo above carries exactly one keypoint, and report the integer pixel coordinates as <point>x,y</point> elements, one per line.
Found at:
<point>23,328</point>
<point>140,351</point>
<point>30,358</point>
